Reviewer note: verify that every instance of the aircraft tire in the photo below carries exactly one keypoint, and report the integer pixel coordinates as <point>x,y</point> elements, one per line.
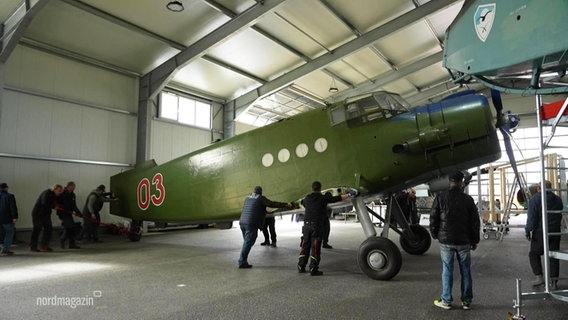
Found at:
<point>135,231</point>
<point>419,246</point>
<point>379,258</point>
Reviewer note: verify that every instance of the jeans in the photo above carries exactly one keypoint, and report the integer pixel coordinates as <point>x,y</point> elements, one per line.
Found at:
<point>9,231</point>
<point>249,236</point>
<point>447,252</point>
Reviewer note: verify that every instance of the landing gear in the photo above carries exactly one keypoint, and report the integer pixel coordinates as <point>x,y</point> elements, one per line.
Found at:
<point>416,243</point>
<point>379,258</point>
<point>135,231</point>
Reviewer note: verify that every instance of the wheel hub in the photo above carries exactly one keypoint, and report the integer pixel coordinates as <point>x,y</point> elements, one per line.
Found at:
<point>377,259</point>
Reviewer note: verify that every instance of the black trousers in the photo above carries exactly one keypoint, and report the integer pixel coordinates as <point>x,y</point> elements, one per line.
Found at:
<point>269,225</point>
<point>326,229</point>
<point>69,229</point>
<point>41,223</point>
<point>537,250</point>
<point>311,241</point>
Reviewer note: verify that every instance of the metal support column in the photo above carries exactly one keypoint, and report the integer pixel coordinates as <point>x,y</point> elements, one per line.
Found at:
<point>363,216</point>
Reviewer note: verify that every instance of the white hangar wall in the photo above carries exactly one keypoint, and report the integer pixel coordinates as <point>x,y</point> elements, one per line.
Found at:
<point>57,113</point>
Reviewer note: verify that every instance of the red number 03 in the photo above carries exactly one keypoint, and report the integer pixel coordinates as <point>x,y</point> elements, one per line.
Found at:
<point>144,194</point>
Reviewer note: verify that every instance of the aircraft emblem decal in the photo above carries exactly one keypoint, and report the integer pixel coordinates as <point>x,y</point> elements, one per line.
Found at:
<point>483,20</point>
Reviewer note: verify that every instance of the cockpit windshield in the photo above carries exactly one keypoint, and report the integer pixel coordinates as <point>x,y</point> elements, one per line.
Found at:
<point>368,108</point>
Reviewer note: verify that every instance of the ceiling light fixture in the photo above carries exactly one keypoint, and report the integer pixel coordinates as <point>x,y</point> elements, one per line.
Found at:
<point>333,86</point>
<point>175,6</point>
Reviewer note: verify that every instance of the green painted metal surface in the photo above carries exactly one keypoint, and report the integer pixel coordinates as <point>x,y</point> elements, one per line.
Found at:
<point>358,144</point>
<point>509,45</point>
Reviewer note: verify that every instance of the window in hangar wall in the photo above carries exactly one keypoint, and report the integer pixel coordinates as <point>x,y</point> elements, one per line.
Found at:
<point>185,110</point>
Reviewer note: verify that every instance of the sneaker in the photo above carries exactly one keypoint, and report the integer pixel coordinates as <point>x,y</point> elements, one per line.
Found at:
<point>34,249</point>
<point>326,246</point>
<point>265,243</point>
<point>273,244</point>
<point>46,249</point>
<point>301,269</point>
<point>245,266</point>
<point>466,305</point>
<point>441,304</point>
<point>6,253</point>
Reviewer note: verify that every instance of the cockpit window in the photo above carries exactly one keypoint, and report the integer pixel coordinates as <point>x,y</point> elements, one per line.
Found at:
<point>375,106</point>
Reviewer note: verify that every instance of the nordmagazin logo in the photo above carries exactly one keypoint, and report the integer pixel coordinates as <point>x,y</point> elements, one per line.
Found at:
<point>67,301</point>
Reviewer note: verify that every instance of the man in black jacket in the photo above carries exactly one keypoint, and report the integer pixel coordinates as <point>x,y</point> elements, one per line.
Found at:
<point>454,221</point>
<point>252,219</point>
<point>8,217</point>
<point>68,209</point>
<point>316,211</point>
<point>41,217</point>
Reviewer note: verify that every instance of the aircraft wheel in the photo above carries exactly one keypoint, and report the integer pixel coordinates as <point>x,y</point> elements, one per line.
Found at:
<point>420,244</point>
<point>135,231</point>
<point>379,258</point>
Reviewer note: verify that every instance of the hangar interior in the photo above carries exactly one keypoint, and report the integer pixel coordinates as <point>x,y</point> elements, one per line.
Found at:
<point>91,87</point>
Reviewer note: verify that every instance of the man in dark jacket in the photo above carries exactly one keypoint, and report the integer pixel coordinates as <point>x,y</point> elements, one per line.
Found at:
<point>8,217</point>
<point>68,209</point>
<point>41,218</point>
<point>252,219</point>
<point>314,220</point>
<point>454,221</point>
<point>533,232</point>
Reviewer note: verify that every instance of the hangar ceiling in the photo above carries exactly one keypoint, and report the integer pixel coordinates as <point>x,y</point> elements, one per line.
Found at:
<point>280,63</point>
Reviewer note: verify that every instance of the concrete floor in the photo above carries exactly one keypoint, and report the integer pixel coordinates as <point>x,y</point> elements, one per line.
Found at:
<point>192,274</point>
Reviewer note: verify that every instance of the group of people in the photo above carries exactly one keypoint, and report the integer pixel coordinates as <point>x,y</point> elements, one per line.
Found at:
<point>454,221</point>
<point>316,225</point>
<point>63,201</point>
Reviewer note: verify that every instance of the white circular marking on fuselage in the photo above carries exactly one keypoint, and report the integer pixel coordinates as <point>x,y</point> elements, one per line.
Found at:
<point>320,145</point>
<point>267,160</point>
<point>283,155</point>
<point>302,150</point>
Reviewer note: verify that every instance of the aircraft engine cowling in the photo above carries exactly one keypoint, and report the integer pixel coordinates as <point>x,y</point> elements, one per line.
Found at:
<point>427,139</point>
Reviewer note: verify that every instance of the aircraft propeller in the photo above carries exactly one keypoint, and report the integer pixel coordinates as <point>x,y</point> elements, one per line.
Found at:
<point>507,123</point>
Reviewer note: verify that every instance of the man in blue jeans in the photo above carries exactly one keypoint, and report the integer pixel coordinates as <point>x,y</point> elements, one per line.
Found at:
<point>252,219</point>
<point>454,221</point>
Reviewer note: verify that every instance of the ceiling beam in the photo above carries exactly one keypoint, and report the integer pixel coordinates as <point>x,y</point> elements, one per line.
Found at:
<point>155,80</point>
<point>241,103</point>
<point>226,11</point>
<point>123,23</point>
<point>11,37</point>
<point>38,45</point>
<point>145,32</point>
<point>390,76</point>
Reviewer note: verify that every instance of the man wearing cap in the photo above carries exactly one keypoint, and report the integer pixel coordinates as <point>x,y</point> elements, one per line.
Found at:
<point>454,221</point>
<point>91,213</point>
<point>8,217</point>
<point>252,219</point>
<point>315,204</point>
<point>41,218</point>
